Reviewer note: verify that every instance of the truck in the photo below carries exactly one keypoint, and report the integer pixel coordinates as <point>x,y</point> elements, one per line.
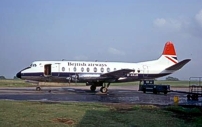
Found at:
<point>149,86</point>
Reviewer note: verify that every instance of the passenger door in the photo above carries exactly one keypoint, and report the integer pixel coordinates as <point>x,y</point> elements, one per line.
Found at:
<point>47,70</point>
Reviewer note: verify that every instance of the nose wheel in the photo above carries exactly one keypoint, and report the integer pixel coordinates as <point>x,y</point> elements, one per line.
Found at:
<point>38,88</point>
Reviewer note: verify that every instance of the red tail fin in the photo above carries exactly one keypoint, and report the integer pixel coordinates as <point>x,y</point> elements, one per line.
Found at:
<point>169,49</point>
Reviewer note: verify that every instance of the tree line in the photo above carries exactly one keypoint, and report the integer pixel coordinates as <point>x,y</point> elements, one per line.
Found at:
<point>3,77</point>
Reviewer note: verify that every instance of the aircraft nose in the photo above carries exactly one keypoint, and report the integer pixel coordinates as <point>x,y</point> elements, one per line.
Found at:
<point>18,74</point>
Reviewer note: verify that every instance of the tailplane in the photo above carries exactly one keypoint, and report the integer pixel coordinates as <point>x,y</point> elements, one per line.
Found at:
<point>178,65</point>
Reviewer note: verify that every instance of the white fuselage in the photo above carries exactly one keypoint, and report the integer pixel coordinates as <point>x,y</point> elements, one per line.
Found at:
<point>85,71</point>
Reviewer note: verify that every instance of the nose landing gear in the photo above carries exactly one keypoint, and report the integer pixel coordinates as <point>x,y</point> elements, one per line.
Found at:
<point>38,88</point>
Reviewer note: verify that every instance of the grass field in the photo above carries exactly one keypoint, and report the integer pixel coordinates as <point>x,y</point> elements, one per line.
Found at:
<point>21,83</point>
<point>38,114</point>
<point>13,83</point>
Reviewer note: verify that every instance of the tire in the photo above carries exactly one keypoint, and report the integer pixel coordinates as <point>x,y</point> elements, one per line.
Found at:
<point>38,88</point>
<point>103,89</point>
<point>188,97</point>
<point>154,91</point>
<point>144,90</point>
<point>93,88</point>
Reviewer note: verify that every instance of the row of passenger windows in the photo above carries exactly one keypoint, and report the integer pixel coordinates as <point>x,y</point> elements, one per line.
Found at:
<point>94,69</point>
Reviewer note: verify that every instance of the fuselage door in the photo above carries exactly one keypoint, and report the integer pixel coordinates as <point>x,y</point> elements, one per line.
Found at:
<point>145,71</point>
<point>47,70</point>
<point>58,66</point>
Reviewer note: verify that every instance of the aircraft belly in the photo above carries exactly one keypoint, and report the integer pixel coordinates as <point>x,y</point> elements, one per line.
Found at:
<point>45,79</point>
<point>34,78</point>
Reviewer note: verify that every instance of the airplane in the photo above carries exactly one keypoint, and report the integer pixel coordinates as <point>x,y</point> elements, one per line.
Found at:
<point>101,74</point>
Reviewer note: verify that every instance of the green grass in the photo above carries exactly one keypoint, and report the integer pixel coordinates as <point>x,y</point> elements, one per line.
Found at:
<point>174,83</point>
<point>13,83</point>
<point>171,83</point>
<point>37,114</point>
<point>21,83</point>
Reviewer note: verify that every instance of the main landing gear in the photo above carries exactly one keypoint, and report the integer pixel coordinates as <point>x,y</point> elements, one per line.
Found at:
<point>93,88</point>
<point>103,89</point>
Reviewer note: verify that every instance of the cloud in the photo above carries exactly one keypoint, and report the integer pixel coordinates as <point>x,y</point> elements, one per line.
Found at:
<point>159,22</point>
<point>198,17</point>
<point>168,24</point>
<point>115,51</point>
<point>184,27</point>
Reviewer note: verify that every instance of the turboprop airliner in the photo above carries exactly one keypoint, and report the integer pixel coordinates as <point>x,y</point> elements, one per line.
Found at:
<point>101,74</point>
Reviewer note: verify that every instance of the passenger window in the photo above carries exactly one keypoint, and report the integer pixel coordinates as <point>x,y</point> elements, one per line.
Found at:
<point>88,69</point>
<point>95,69</point>
<point>102,69</point>
<point>74,69</point>
<point>108,69</point>
<point>82,69</point>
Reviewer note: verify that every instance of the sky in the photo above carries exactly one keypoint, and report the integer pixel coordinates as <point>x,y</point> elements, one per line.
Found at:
<point>115,30</point>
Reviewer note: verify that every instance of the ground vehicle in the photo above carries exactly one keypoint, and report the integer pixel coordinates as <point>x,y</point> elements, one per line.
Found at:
<point>195,88</point>
<point>149,86</point>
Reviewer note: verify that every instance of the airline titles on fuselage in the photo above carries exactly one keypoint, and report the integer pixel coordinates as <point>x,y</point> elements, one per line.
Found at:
<point>87,64</point>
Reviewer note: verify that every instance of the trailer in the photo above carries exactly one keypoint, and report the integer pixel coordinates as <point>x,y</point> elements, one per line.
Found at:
<point>149,86</point>
<point>195,88</point>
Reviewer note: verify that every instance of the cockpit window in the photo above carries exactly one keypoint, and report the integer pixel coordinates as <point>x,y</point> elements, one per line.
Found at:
<point>33,65</point>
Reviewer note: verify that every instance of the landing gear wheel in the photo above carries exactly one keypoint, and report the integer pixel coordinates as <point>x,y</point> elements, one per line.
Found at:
<point>93,88</point>
<point>38,88</point>
<point>155,91</point>
<point>103,89</point>
<point>188,97</point>
<point>144,90</point>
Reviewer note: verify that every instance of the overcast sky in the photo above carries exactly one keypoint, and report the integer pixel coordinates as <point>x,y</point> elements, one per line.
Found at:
<point>115,30</point>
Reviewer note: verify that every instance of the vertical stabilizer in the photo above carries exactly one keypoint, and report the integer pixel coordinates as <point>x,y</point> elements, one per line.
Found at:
<point>169,56</point>
<point>169,49</point>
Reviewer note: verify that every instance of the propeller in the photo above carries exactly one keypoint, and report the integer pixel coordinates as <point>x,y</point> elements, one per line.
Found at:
<point>74,78</point>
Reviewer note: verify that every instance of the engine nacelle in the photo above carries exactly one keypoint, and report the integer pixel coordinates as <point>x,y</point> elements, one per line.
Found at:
<point>83,77</point>
<point>88,75</point>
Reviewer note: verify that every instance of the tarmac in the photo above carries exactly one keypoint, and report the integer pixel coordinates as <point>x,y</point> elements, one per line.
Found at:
<point>115,94</point>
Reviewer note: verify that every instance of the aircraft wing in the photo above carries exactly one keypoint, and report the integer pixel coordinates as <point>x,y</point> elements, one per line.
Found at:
<point>178,65</point>
<point>117,74</point>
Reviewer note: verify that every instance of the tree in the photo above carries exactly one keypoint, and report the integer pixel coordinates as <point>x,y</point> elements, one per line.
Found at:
<point>2,77</point>
<point>15,77</point>
<point>169,78</point>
